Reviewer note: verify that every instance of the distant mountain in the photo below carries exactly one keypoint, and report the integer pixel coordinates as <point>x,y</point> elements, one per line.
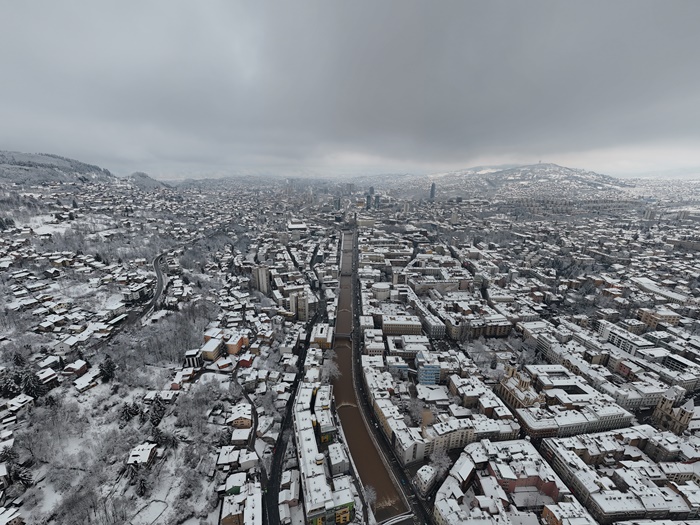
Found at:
<point>41,168</point>
<point>536,180</point>
<point>690,174</point>
<point>145,182</point>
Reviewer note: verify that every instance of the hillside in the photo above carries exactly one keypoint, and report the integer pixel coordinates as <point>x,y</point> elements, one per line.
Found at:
<point>145,182</point>
<point>43,168</point>
<point>535,181</point>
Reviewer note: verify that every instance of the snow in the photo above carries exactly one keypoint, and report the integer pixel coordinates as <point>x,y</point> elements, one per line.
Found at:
<point>260,447</point>
<point>150,513</point>
<point>41,224</point>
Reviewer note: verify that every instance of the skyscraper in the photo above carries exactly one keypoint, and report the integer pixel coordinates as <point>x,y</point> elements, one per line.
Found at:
<point>261,279</point>
<point>432,191</point>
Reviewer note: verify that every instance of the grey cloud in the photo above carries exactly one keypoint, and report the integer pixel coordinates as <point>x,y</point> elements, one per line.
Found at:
<point>257,86</point>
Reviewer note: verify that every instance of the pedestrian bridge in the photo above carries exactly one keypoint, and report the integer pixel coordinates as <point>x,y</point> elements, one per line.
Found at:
<point>397,519</point>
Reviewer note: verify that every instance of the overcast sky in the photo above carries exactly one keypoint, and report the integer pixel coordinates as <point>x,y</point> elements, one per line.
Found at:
<point>185,88</point>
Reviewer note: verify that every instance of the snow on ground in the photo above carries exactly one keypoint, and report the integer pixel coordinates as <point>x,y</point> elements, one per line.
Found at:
<point>150,513</point>
<point>77,290</point>
<point>49,497</point>
<point>222,379</point>
<point>297,513</point>
<point>41,224</point>
<point>155,317</point>
<point>260,447</point>
<point>212,518</point>
<point>113,300</point>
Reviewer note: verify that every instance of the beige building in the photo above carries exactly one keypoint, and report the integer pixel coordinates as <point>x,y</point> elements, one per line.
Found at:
<point>401,325</point>
<point>666,417</point>
<point>516,390</point>
<point>653,316</point>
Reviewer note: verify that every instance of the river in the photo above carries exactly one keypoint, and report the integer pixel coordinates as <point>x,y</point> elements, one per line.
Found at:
<point>369,464</point>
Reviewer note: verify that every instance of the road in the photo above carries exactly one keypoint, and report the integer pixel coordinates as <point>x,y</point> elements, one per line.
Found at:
<point>160,281</point>
<point>271,480</point>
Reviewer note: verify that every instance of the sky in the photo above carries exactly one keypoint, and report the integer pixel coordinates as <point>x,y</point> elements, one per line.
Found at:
<point>186,89</point>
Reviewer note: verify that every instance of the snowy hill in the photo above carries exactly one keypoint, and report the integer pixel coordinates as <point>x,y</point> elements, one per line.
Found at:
<point>42,168</point>
<point>536,181</point>
<point>145,182</point>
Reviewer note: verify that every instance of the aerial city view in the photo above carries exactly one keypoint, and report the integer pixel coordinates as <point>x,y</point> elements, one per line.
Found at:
<point>378,263</point>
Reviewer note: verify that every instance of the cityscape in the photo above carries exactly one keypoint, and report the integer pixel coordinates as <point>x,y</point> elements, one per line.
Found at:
<point>331,352</point>
<point>350,262</point>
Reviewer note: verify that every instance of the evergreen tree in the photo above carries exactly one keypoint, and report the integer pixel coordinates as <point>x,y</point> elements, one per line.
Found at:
<point>141,487</point>
<point>131,471</point>
<point>9,386</point>
<point>134,409</point>
<point>107,368</point>
<point>157,411</point>
<point>157,436</point>
<point>31,385</point>
<point>224,438</point>
<point>22,475</point>
<point>125,412</point>
<point>7,455</point>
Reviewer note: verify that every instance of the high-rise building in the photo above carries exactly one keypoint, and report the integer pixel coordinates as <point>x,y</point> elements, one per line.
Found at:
<point>432,191</point>
<point>376,201</point>
<point>261,279</point>
<point>371,190</point>
<point>368,204</point>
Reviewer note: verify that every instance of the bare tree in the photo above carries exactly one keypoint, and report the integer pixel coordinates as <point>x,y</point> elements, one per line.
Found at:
<point>415,410</point>
<point>441,462</point>
<point>329,368</point>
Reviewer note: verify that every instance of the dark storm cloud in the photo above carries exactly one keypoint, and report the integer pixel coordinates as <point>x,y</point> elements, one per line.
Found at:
<point>186,87</point>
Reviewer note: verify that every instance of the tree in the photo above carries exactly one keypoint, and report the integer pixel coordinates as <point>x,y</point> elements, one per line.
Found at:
<point>31,385</point>
<point>141,487</point>
<point>267,401</point>
<point>415,410</point>
<point>18,359</point>
<point>441,462</point>
<point>157,436</point>
<point>125,413</point>
<point>329,369</point>
<point>7,455</point>
<point>107,369</point>
<point>224,437</point>
<point>9,385</point>
<point>170,440</point>
<point>157,411</point>
<point>22,475</point>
